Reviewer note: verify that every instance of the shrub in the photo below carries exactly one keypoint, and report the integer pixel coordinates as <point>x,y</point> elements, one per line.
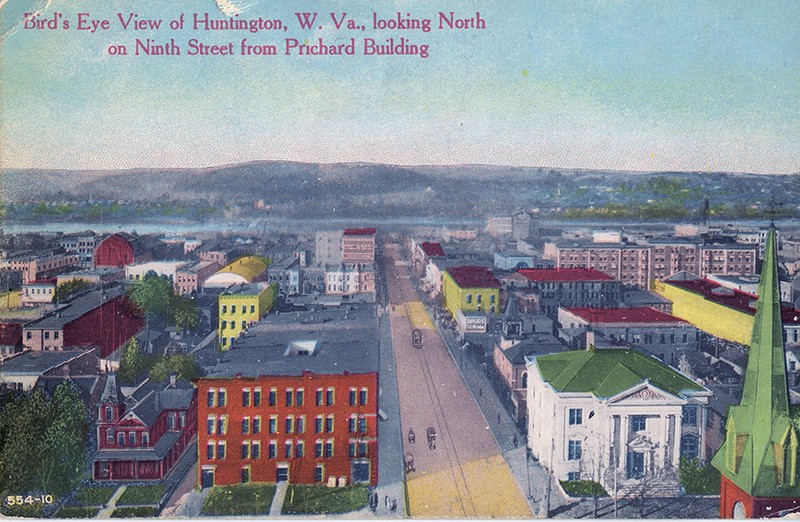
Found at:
<point>135,512</point>
<point>583,488</point>
<point>698,478</point>
<point>77,512</point>
<point>89,496</point>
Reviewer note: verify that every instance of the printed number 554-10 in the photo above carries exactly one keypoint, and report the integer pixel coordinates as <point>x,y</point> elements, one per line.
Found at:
<point>18,500</point>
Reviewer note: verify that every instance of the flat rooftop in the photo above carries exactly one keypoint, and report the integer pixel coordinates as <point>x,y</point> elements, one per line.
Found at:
<point>35,362</point>
<point>323,342</point>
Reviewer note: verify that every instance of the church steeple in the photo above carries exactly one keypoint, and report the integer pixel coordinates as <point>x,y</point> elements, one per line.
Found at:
<point>759,454</point>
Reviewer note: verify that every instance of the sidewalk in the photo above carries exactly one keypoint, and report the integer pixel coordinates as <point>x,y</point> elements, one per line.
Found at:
<point>277,501</point>
<point>531,477</point>
<point>112,503</point>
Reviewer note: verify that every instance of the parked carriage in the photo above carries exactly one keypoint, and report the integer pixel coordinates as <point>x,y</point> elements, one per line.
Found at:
<point>416,338</point>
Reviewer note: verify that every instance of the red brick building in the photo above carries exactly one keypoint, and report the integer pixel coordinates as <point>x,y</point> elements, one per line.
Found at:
<point>115,250</point>
<point>103,317</point>
<point>281,409</point>
<point>358,245</point>
<point>142,436</point>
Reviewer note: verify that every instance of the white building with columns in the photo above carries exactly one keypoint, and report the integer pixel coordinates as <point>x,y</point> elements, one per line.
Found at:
<point>593,411</point>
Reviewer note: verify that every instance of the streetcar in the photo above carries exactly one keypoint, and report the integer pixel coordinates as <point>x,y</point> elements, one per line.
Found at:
<point>416,338</point>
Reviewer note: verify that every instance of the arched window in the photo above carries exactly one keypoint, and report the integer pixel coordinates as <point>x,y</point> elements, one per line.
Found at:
<point>525,379</point>
<point>739,511</point>
<point>689,447</point>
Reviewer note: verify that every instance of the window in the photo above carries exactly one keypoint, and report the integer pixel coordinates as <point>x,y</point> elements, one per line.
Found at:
<point>273,424</point>
<point>220,450</point>
<point>574,450</point>
<point>28,335</point>
<point>469,298</point>
<point>300,424</point>
<point>353,396</point>
<point>329,424</point>
<point>351,449</point>
<point>211,396</point>
<point>245,474</point>
<point>351,424</point>
<point>224,309</point>
<point>257,397</point>
<point>110,436</point>
<point>211,425</point>
<point>221,398</point>
<point>299,449</point>
<point>574,475</point>
<point>319,473</point>
<point>575,416</point>
<point>245,398</point>
<point>329,396</point>
<point>319,396</point>
<point>478,298</point>
<point>145,439</point>
<point>182,419</point>
<point>287,449</point>
<point>109,413</point>
<point>362,424</point>
<point>289,424</point>
<point>244,325</point>
<point>362,397</point>
<point>363,448</point>
<point>273,396</point>
<point>318,449</point>
<point>246,450</point>
<point>47,335</point>
<point>638,423</point>
<point>689,417</point>
<point>289,396</point>
<point>210,450</point>
<point>246,425</point>
<point>257,425</point>
<point>318,424</point>
<point>299,397</point>
<point>233,309</point>
<point>222,425</point>
<point>171,421</point>
<point>329,448</point>
<point>689,447</point>
<point>272,449</point>
<point>252,309</point>
<point>255,449</point>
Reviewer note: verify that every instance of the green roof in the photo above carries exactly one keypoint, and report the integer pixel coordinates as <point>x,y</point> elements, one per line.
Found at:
<point>605,373</point>
<point>759,454</point>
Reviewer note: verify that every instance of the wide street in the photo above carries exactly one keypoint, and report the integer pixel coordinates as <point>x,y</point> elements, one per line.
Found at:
<point>463,473</point>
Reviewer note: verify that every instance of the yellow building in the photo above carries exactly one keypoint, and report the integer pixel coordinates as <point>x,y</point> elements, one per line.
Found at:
<point>240,306</point>
<point>470,289</point>
<point>241,271</point>
<point>719,311</point>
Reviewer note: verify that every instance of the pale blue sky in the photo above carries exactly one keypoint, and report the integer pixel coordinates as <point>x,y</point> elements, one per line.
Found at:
<point>642,85</point>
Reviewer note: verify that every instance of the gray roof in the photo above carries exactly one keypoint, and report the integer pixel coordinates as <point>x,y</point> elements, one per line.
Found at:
<point>157,452</point>
<point>77,307</point>
<point>35,362</point>
<point>111,390</point>
<point>536,344</point>
<point>347,340</point>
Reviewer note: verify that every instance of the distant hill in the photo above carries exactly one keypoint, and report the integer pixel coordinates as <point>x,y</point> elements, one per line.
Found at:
<point>358,189</point>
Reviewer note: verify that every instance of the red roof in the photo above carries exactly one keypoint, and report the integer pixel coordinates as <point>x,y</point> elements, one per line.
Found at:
<point>432,249</point>
<point>10,334</point>
<point>359,231</point>
<point>50,281</point>
<point>736,299</point>
<point>640,314</point>
<point>473,277</point>
<point>564,274</point>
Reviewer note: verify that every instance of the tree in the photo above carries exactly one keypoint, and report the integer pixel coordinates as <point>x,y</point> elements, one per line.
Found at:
<point>153,295</point>
<point>187,314</point>
<point>43,442</point>
<point>133,362</point>
<point>184,365</point>
<point>66,290</point>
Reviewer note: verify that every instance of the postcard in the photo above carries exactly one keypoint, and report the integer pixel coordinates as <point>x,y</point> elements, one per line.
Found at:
<point>399,259</point>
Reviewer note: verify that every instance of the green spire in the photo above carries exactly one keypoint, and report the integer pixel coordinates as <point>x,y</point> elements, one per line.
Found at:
<point>759,453</point>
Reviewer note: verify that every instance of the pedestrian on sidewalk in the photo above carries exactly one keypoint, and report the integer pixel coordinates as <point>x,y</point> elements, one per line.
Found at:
<point>498,418</point>
<point>515,440</point>
<point>394,505</point>
<point>386,501</point>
